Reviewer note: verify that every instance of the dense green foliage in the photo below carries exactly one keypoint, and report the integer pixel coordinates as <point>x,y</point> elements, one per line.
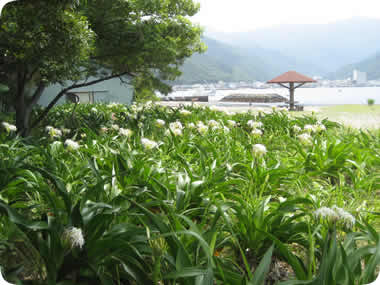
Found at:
<point>79,43</point>
<point>147,194</point>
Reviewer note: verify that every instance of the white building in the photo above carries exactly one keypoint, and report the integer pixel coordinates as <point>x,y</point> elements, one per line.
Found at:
<point>359,77</point>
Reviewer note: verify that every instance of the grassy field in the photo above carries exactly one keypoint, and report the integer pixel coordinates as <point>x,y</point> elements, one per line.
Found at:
<point>357,116</point>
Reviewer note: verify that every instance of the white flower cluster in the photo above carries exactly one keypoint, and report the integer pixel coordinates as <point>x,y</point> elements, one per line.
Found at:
<point>214,125</point>
<point>335,214</point>
<point>115,127</point>
<point>259,150</point>
<point>53,132</point>
<point>297,129</point>
<point>56,144</point>
<point>71,145</point>
<point>148,144</point>
<point>256,132</point>
<point>9,127</point>
<point>305,139</point>
<point>125,132</point>
<point>231,123</point>
<point>202,128</point>
<point>160,123</point>
<point>176,128</point>
<point>254,124</point>
<point>191,126</point>
<point>185,112</point>
<point>318,127</point>
<point>74,236</point>
<point>113,104</point>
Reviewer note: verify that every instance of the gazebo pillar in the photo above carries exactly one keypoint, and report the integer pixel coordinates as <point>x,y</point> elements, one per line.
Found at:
<point>291,97</point>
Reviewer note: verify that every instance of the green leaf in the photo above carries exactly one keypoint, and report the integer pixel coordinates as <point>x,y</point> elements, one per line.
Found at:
<point>21,220</point>
<point>262,270</point>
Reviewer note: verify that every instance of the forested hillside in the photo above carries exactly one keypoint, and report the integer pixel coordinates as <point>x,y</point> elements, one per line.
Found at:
<point>370,65</point>
<point>231,63</point>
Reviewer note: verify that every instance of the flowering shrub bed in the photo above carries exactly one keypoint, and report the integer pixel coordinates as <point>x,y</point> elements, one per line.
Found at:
<point>147,194</point>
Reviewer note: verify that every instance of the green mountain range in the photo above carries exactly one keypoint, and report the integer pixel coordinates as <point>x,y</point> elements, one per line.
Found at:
<point>324,49</point>
<point>228,63</point>
<point>371,65</point>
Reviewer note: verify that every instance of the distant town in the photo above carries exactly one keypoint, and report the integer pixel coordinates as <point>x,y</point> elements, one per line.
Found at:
<point>358,79</point>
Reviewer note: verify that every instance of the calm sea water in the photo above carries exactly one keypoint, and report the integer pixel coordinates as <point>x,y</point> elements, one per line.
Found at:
<point>306,96</point>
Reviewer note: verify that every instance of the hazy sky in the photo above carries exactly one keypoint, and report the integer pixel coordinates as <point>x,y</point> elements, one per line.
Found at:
<point>245,15</point>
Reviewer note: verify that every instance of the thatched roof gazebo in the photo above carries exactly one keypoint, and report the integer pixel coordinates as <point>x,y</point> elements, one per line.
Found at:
<point>291,77</point>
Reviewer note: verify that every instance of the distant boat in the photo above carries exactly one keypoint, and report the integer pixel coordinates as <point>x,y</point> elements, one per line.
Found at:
<point>340,90</point>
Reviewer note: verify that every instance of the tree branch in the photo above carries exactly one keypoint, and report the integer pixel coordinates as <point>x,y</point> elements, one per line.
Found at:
<point>37,94</point>
<point>63,91</point>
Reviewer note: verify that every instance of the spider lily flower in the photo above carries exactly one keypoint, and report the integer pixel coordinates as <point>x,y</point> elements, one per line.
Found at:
<point>309,128</point>
<point>177,132</point>
<point>202,129</point>
<point>259,150</point>
<point>345,217</point>
<point>74,236</point>
<point>191,126</point>
<point>148,144</point>
<point>185,112</point>
<point>253,124</point>
<point>256,133</point>
<point>94,110</point>
<point>213,123</point>
<point>297,129</point>
<point>335,214</point>
<point>113,104</point>
<point>53,132</point>
<point>115,127</point>
<point>226,129</point>
<point>325,212</point>
<point>175,125</point>
<point>160,123</point>
<point>125,132</point>
<point>305,139</point>
<point>319,127</point>
<point>71,145</point>
<point>56,144</point>
<point>231,123</point>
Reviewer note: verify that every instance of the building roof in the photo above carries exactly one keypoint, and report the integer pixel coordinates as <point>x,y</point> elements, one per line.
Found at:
<point>291,76</point>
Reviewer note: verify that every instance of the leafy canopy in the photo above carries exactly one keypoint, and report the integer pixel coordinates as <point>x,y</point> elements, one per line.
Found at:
<point>55,41</point>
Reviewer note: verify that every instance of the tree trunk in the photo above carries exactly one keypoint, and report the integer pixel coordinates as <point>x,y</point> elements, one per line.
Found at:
<point>24,107</point>
<point>23,113</point>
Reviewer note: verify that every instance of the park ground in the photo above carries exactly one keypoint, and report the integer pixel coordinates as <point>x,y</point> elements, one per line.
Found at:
<point>355,116</point>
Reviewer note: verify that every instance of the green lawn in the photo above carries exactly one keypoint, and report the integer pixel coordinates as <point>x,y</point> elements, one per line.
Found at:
<point>357,116</point>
